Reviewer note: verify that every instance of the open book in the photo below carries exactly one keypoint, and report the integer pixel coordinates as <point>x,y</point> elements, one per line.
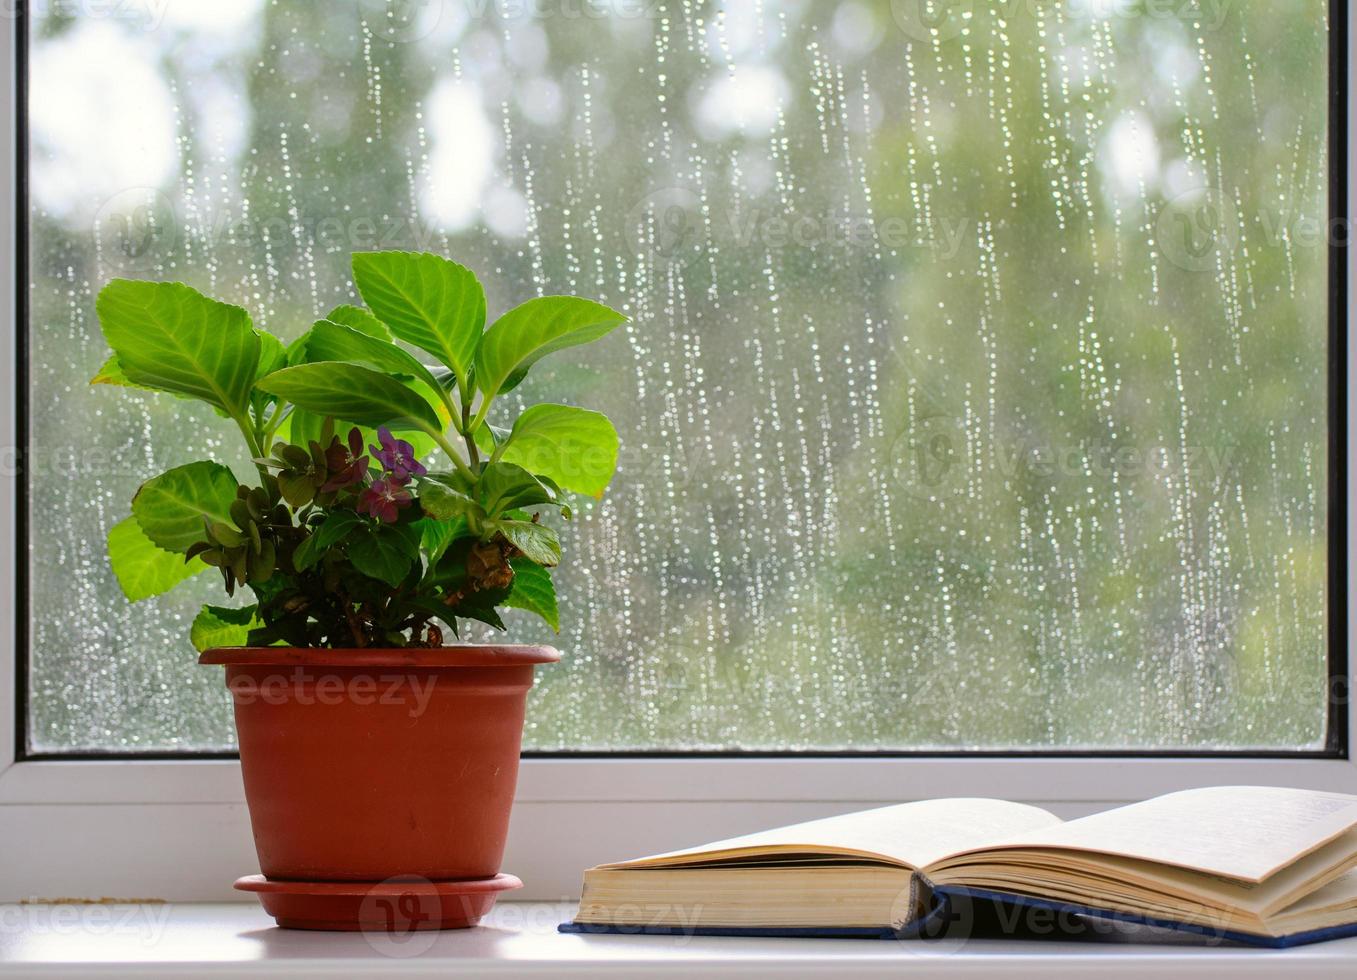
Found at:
<point>1250,863</point>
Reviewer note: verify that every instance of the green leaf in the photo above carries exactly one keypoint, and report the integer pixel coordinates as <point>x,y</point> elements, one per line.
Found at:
<point>536,541</point>
<point>426,300</point>
<point>575,447</point>
<point>334,529</point>
<point>527,333</point>
<point>505,486</point>
<point>444,502</point>
<point>172,338</point>
<point>386,553</point>
<point>170,507</point>
<point>445,377</point>
<point>112,373</point>
<point>533,590</point>
<point>272,356</point>
<point>353,393</point>
<point>302,427</point>
<point>357,318</point>
<point>296,351</point>
<point>221,626</point>
<point>144,570</point>
<point>336,342</point>
<point>488,437</point>
<point>435,536</point>
<point>481,613</point>
<point>450,576</point>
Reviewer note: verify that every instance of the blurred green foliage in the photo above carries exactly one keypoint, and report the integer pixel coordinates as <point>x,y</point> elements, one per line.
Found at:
<point>975,390</point>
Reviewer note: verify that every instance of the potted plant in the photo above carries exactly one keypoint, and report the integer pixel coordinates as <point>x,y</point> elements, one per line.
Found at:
<point>371,750</point>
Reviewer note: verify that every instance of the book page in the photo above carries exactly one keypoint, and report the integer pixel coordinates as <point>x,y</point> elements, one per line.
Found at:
<point>1242,832</point>
<point>1112,881</point>
<point>910,834</point>
<point>1339,895</point>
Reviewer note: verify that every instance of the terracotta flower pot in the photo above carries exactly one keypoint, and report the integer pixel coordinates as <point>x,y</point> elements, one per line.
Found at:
<point>379,782</point>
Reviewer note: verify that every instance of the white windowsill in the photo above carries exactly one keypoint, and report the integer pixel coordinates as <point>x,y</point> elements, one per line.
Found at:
<point>519,939</point>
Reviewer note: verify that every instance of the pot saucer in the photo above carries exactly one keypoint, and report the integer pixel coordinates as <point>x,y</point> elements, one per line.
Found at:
<point>397,905</point>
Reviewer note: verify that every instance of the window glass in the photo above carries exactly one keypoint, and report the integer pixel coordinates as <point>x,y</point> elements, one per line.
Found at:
<point>975,390</point>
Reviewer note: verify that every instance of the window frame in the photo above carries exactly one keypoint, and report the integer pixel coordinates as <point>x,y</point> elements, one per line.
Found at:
<point>134,824</point>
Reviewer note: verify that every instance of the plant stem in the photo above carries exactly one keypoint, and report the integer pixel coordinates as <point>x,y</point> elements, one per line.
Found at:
<point>469,435</point>
<point>279,417</point>
<point>252,440</point>
<point>480,416</point>
<point>359,638</point>
<point>446,398</point>
<point>454,455</point>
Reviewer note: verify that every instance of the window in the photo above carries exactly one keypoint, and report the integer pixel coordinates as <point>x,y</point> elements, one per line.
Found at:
<point>977,395</point>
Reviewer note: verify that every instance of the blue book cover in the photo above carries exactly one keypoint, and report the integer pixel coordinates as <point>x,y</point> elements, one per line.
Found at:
<point>591,929</point>
<point>948,901</point>
<point>979,914</point>
<point>1281,826</point>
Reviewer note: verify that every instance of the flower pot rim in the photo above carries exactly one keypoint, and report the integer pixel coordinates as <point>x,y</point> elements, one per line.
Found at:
<point>458,655</point>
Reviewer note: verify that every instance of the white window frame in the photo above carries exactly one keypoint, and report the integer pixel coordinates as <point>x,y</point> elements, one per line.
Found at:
<point>179,830</point>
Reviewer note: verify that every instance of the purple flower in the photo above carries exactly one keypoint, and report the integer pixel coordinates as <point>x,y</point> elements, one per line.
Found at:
<point>383,500</point>
<point>347,464</point>
<point>398,456</point>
